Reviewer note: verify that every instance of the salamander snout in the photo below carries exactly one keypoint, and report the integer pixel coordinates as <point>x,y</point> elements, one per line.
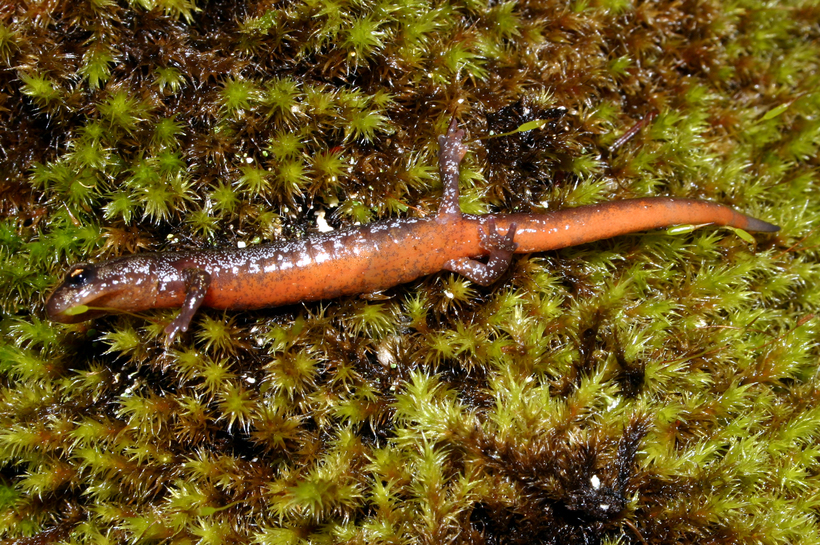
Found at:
<point>66,304</point>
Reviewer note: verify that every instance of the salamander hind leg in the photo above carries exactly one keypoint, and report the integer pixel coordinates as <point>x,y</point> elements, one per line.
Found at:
<point>501,249</point>
<point>451,152</point>
<point>196,286</point>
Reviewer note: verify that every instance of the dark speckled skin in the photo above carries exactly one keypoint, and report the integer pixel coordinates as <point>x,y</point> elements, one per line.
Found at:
<point>365,259</point>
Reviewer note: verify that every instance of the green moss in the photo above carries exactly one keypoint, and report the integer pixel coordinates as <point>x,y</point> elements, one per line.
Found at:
<point>238,95</point>
<point>96,66</point>
<point>670,376</point>
<point>40,89</point>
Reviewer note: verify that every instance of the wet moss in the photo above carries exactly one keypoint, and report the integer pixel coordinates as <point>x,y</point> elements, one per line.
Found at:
<point>655,388</point>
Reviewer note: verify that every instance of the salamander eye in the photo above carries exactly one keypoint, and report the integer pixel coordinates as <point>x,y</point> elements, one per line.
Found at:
<point>79,276</point>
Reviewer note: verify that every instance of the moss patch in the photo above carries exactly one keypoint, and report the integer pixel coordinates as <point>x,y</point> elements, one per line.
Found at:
<point>655,388</point>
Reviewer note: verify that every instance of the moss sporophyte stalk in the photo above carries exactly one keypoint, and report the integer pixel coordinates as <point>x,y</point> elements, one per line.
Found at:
<point>652,388</point>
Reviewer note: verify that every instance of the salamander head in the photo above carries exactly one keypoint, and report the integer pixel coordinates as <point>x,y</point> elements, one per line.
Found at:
<point>89,291</point>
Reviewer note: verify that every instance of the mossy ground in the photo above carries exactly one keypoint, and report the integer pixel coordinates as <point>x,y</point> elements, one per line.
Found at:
<point>655,388</point>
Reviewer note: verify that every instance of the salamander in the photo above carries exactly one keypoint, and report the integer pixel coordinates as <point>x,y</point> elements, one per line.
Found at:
<point>363,259</point>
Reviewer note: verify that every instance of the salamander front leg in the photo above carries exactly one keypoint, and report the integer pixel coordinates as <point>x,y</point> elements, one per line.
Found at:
<point>501,249</point>
<point>196,286</point>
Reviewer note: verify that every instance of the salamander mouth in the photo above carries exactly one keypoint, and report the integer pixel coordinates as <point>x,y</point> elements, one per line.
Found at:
<point>66,307</point>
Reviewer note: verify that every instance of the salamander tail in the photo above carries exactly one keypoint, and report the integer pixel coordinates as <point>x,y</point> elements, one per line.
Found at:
<point>754,224</point>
